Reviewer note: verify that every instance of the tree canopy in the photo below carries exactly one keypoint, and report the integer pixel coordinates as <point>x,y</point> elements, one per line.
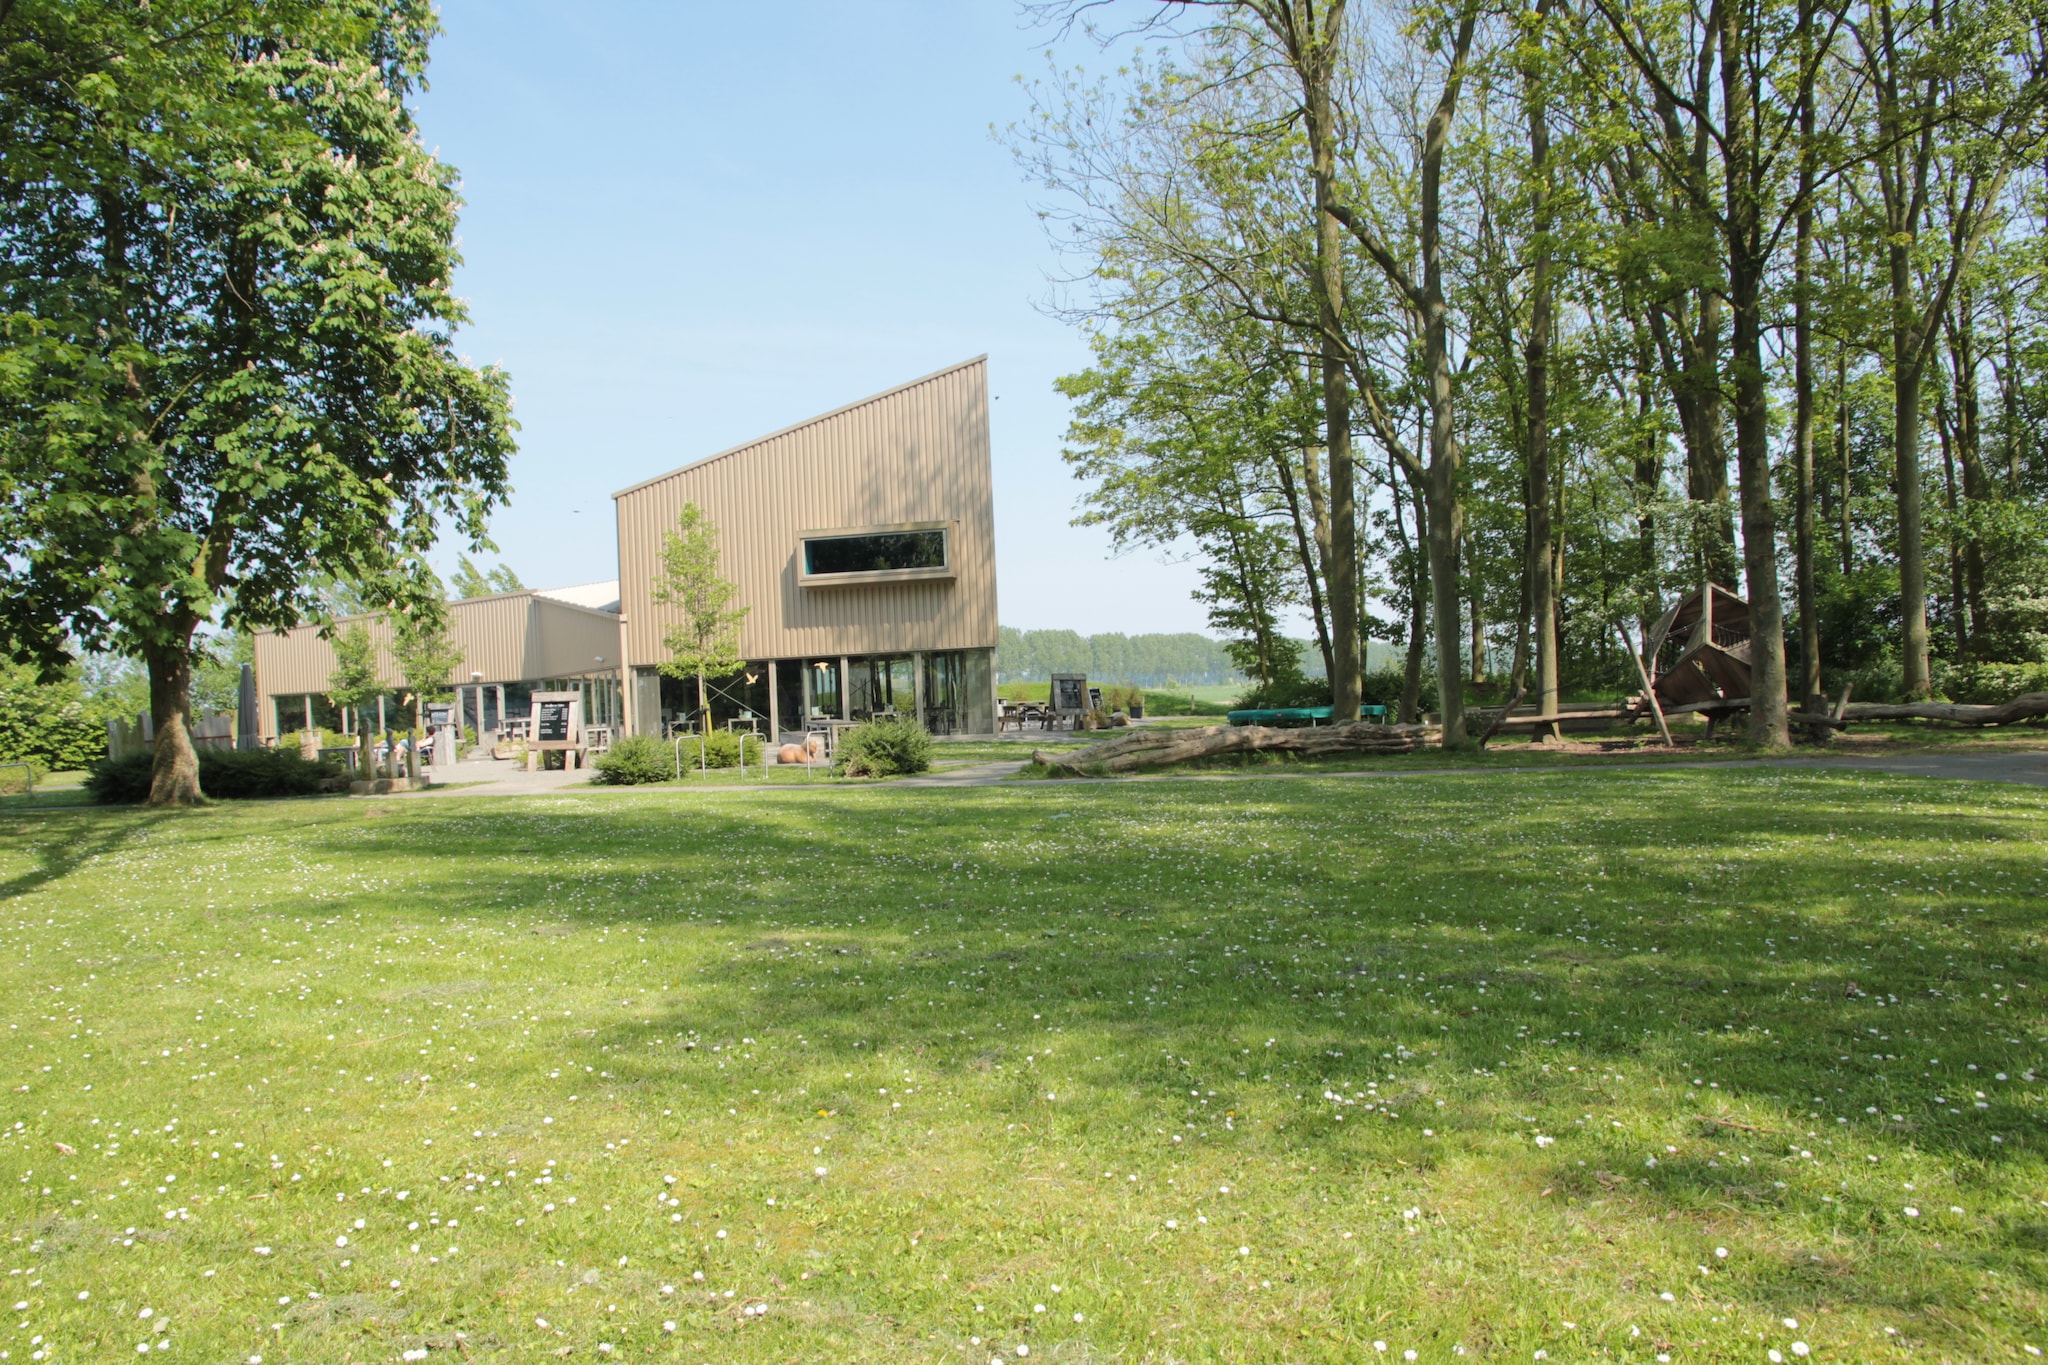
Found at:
<point>227,361</point>
<point>1585,302</point>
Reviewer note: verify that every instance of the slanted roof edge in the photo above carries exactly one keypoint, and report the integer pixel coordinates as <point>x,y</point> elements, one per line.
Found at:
<point>799,426</point>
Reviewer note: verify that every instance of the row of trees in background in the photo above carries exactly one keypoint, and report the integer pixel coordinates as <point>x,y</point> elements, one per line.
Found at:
<point>1187,659</point>
<point>1447,322</point>
<point>227,364</point>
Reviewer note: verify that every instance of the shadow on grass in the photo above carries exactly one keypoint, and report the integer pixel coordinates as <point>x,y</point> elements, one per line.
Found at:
<point>1751,957</point>
<point>55,858</point>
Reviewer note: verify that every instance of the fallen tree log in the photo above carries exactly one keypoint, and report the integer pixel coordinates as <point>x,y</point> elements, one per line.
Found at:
<point>2027,706</point>
<point>1159,748</point>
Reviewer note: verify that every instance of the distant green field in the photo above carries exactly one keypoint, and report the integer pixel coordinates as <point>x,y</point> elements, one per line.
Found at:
<point>1609,1065</point>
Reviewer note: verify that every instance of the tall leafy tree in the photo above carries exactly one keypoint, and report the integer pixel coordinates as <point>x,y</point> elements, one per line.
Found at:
<point>227,367</point>
<point>427,657</point>
<point>355,683</point>
<point>705,642</point>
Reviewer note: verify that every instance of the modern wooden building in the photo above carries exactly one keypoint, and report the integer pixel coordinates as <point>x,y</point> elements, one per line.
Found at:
<point>513,644</point>
<point>862,543</point>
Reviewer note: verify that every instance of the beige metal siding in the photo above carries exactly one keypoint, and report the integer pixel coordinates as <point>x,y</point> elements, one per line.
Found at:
<point>567,640</point>
<point>919,453</point>
<point>513,637</point>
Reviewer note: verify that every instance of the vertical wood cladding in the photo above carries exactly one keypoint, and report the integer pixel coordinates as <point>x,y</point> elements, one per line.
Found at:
<point>513,637</point>
<point>919,453</point>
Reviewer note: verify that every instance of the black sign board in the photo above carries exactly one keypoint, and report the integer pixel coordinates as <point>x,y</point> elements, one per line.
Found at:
<point>551,722</point>
<point>440,713</point>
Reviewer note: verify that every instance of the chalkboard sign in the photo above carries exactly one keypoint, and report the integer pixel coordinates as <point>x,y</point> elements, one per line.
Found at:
<point>1069,692</point>
<point>439,714</point>
<point>556,720</point>
<point>551,722</point>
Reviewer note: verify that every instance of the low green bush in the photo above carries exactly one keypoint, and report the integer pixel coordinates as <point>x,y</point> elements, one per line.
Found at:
<point>224,774</point>
<point>722,750</point>
<point>1988,684</point>
<point>884,748</point>
<point>633,760</point>
<point>637,759</point>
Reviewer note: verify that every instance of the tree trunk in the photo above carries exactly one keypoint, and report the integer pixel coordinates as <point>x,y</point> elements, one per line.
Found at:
<point>1802,382</point>
<point>1536,356</point>
<point>1316,64</point>
<point>1918,681</point>
<point>1958,617</point>
<point>1969,449</point>
<point>1746,180</point>
<point>1446,521</point>
<point>174,775</point>
<point>1418,596</point>
<point>1314,556</point>
<point>1157,748</point>
<point>1478,620</point>
<point>1847,531</point>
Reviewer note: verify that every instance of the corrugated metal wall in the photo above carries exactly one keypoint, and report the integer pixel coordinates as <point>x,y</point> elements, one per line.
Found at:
<point>917,453</point>
<point>513,637</point>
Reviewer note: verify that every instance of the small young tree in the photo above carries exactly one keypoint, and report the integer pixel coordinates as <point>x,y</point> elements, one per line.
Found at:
<point>706,642</point>
<point>354,683</point>
<point>426,658</point>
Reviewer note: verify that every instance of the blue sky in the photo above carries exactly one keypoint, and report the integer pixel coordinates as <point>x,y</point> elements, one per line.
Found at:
<point>690,223</point>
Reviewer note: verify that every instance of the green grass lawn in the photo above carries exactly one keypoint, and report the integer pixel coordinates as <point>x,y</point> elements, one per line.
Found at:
<point>1605,1065</point>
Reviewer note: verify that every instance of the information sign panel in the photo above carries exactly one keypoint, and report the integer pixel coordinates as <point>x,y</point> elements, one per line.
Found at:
<point>556,720</point>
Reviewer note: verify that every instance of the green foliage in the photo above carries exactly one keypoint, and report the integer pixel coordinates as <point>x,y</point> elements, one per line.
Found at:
<point>354,681</point>
<point>470,581</point>
<point>228,365</point>
<point>634,759</point>
<point>230,774</point>
<point>421,647</point>
<point>1989,684</point>
<point>52,724</point>
<point>1382,687</point>
<point>705,643</point>
<point>884,748</point>
<point>720,749</point>
<point>1288,690</point>
<point>1186,659</point>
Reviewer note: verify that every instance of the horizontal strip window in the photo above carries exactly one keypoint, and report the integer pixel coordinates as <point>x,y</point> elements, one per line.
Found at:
<point>877,556</point>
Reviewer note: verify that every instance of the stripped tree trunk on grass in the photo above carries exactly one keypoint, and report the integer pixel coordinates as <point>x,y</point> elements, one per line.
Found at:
<point>2027,706</point>
<point>1159,748</point>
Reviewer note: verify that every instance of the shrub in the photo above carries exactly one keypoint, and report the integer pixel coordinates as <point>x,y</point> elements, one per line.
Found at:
<point>1288,689</point>
<point>1988,684</point>
<point>722,750</point>
<point>1382,686</point>
<point>1121,697</point>
<point>52,725</point>
<point>225,774</point>
<point>634,759</point>
<point>884,748</point>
